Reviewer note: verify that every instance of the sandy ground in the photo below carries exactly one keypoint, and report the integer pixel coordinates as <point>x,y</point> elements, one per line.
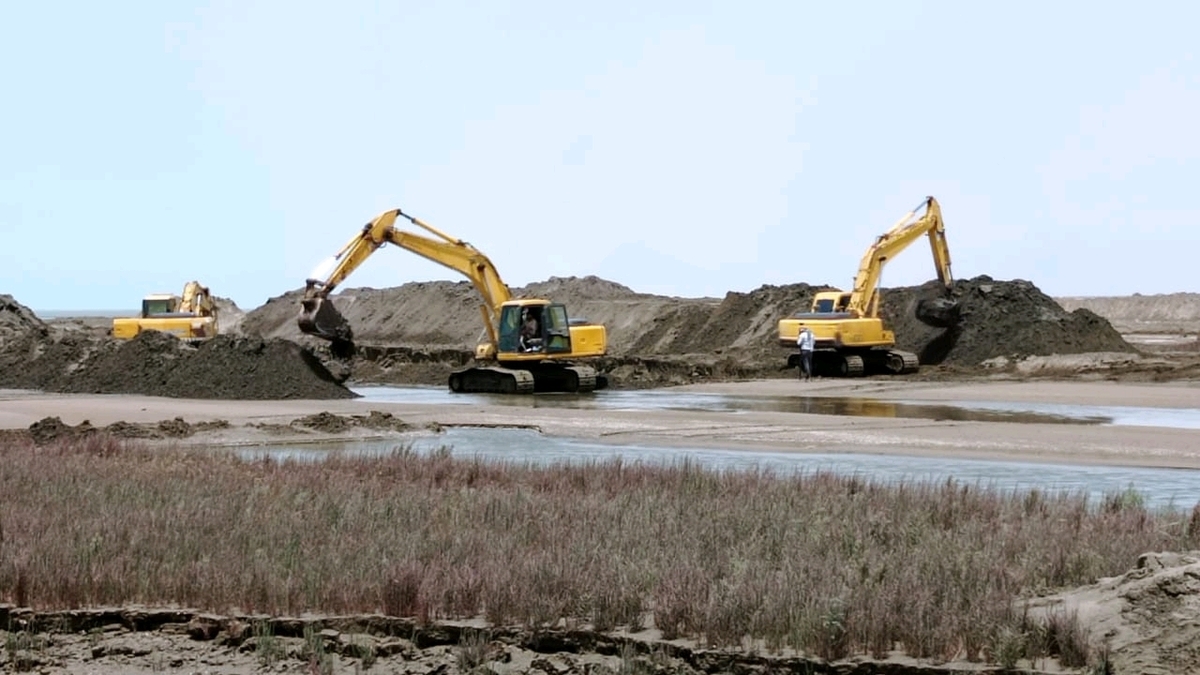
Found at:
<point>256,422</point>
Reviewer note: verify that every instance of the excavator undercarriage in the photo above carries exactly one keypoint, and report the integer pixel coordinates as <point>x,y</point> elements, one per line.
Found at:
<point>879,361</point>
<point>539,377</point>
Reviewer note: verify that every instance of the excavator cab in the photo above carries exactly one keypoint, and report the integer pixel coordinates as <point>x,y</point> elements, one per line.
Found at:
<point>534,328</point>
<point>159,305</point>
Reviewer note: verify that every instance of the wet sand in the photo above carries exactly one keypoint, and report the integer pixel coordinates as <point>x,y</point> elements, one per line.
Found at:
<point>777,431</point>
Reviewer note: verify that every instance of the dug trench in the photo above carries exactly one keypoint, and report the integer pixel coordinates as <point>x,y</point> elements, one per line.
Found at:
<point>418,332</point>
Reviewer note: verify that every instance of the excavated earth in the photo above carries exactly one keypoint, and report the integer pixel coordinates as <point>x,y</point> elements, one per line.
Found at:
<point>418,332</point>
<point>35,356</point>
<point>1011,319</point>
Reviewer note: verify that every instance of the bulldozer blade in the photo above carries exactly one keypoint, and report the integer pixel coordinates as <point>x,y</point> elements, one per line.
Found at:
<point>320,318</point>
<point>938,312</point>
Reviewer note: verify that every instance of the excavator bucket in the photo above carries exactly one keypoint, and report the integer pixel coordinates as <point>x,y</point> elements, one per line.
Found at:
<point>320,318</point>
<point>938,312</point>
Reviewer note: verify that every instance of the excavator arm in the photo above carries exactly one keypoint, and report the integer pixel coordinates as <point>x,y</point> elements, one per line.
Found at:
<point>318,317</point>
<point>864,299</point>
<point>197,299</point>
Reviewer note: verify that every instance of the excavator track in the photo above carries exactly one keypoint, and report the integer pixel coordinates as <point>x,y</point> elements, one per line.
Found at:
<point>539,378</point>
<point>564,379</point>
<point>491,380</point>
<point>837,364</point>
<point>900,362</point>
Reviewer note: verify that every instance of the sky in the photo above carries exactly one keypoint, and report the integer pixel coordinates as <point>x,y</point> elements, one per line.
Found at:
<point>686,148</point>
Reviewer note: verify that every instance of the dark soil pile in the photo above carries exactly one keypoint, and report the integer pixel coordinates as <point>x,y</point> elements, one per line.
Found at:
<point>742,325</point>
<point>328,422</point>
<point>252,368</point>
<point>51,429</point>
<point>158,364</point>
<point>996,318</point>
<point>18,321</point>
<point>226,367</point>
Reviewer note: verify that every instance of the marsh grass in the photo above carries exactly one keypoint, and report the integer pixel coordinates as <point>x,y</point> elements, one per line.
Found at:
<point>828,564</point>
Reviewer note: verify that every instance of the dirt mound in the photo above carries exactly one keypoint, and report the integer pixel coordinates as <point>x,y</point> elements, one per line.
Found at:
<point>416,331</point>
<point>328,422</point>
<point>996,318</point>
<point>1149,617</point>
<point>445,314</point>
<point>1140,308</point>
<point>229,316</point>
<point>158,364</point>
<point>252,368</point>
<point>568,289</point>
<point>50,429</point>
<point>18,321</point>
<point>1161,313</point>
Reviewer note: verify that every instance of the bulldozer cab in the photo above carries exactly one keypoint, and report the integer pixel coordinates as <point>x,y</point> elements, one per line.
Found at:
<point>534,329</point>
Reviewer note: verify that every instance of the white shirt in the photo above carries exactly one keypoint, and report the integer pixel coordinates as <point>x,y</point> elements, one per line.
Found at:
<point>805,340</point>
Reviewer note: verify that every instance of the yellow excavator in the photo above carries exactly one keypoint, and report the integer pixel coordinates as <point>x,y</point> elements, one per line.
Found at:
<point>529,342</point>
<point>191,317</point>
<point>850,339</point>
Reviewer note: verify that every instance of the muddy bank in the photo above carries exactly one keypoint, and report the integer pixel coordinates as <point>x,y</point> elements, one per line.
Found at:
<point>137,638</point>
<point>32,356</point>
<point>52,429</point>
<point>1144,621</point>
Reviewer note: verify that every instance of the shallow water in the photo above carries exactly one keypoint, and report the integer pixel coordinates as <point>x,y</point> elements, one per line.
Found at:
<point>1158,487</point>
<point>665,399</point>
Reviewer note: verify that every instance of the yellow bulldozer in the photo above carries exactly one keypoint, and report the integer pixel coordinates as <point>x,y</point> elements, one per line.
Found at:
<point>850,338</point>
<point>530,343</point>
<point>191,317</point>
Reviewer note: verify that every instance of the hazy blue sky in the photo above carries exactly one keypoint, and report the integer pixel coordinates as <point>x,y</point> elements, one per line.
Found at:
<point>686,148</point>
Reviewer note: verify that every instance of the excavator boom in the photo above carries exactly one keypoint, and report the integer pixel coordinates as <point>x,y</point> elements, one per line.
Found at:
<point>321,319</point>
<point>864,298</point>
<point>528,340</point>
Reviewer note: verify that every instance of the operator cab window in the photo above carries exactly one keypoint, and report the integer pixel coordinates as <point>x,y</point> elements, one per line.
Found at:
<point>156,307</point>
<point>558,328</point>
<point>825,306</point>
<point>532,329</point>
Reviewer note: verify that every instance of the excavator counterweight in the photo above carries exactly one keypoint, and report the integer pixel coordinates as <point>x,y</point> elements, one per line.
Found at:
<point>531,342</point>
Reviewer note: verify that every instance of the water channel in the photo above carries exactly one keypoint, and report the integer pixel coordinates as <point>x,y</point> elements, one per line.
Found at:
<point>1158,487</point>
<point>666,399</point>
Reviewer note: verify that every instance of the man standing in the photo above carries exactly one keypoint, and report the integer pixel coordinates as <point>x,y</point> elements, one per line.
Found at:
<point>806,343</point>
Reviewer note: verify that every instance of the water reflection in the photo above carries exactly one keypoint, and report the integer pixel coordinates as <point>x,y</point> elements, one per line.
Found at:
<point>665,399</point>
<point>1159,487</point>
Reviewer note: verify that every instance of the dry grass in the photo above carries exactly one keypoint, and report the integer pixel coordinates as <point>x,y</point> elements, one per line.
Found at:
<point>832,565</point>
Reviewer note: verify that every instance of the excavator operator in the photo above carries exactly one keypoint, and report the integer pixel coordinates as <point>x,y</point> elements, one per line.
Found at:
<point>530,332</point>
